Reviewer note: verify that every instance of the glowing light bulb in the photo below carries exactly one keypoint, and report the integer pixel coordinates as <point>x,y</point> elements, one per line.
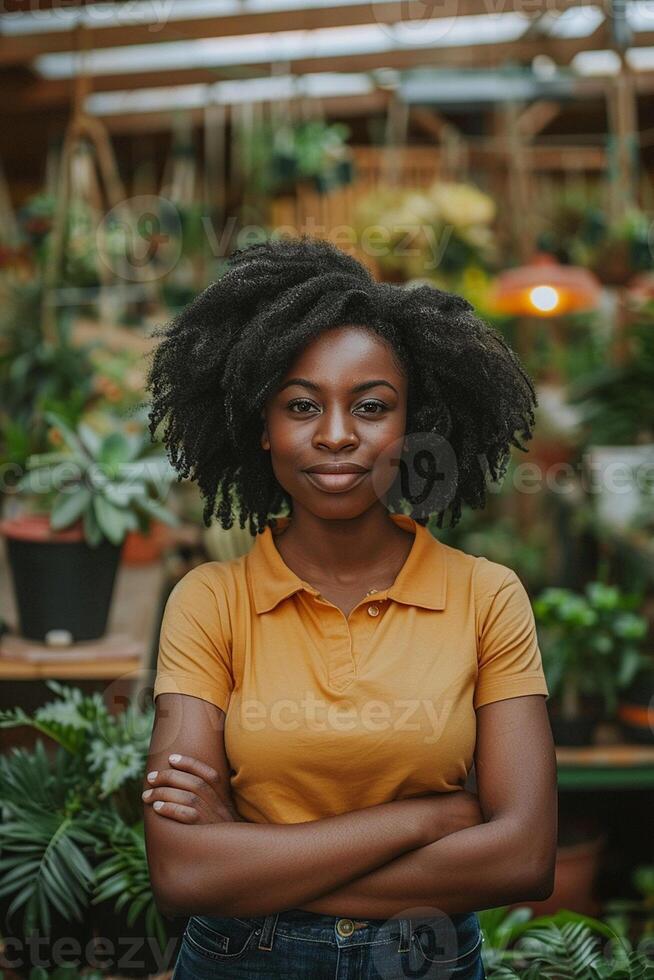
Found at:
<point>544,298</point>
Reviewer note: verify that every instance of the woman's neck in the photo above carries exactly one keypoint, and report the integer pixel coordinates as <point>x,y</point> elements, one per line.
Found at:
<point>368,549</point>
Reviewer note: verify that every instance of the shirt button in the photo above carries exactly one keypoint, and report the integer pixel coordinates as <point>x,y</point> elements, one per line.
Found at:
<point>345,927</point>
<point>373,610</point>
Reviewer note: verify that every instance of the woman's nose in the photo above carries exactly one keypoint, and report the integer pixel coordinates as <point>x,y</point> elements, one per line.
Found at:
<point>335,428</point>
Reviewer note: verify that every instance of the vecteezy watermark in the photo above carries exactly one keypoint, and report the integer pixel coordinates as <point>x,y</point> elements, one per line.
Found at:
<point>425,943</point>
<point>427,717</point>
<point>402,239</point>
<point>426,466</point>
<point>140,239</point>
<point>58,14</point>
<point>424,23</point>
<point>100,952</point>
<point>70,477</point>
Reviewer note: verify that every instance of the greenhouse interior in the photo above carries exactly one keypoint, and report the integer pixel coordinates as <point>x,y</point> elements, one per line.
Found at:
<point>504,153</point>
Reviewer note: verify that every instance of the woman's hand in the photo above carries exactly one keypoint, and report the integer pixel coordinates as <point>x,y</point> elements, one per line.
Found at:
<point>190,792</point>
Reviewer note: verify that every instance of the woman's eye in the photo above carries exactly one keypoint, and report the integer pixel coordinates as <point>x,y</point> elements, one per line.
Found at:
<point>379,405</point>
<point>303,402</point>
<point>305,406</point>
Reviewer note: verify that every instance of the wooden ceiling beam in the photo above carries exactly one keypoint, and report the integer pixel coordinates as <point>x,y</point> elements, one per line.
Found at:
<point>22,49</point>
<point>52,92</point>
<point>340,107</point>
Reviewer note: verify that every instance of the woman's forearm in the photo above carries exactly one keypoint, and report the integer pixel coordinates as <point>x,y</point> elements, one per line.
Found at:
<point>237,868</point>
<point>475,868</point>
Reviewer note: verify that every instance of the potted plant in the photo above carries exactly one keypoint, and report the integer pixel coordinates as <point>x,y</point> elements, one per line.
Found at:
<point>86,495</point>
<point>73,860</point>
<point>591,646</point>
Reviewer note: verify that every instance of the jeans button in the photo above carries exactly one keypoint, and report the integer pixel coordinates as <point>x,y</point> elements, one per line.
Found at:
<point>345,927</point>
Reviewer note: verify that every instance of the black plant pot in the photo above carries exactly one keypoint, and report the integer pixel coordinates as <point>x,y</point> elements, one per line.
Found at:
<point>574,731</point>
<point>60,581</point>
<point>132,951</point>
<point>636,709</point>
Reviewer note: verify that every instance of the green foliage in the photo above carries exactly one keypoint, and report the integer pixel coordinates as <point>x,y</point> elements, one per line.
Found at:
<point>564,946</point>
<point>113,483</point>
<point>36,375</point>
<point>113,746</point>
<point>71,833</point>
<point>592,643</point>
<point>124,875</point>
<point>280,156</point>
<point>615,400</point>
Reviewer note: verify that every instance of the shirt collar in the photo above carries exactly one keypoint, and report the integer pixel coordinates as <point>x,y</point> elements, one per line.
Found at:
<point>420,582</point>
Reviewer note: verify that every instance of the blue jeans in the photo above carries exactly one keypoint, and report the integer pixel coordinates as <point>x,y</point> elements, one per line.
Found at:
<point>300,944</point>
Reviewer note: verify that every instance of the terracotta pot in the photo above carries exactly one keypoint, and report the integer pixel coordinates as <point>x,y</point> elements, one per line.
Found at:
<point>576,871</point>
<point>141,549</point>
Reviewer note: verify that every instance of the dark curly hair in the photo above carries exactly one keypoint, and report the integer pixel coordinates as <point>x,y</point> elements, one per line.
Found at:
<point>223,355</point>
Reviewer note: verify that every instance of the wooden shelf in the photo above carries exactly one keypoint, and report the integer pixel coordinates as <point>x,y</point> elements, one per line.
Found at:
<point>109,657</point>
<point>624,766</point>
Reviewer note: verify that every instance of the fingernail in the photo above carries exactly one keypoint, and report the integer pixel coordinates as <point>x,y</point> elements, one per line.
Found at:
<point>158,805</point>
<point>174,758</point>
<point>152,776</point>
<point>147,793</point>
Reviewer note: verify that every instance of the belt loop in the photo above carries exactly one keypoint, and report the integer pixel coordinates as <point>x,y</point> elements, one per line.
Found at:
<point>405,935</point>
<point>268,931</point>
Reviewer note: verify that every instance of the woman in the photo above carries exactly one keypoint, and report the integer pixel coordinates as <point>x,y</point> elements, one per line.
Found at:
<point>320,701</point>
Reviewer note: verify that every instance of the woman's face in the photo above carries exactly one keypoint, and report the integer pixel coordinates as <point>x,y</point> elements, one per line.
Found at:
<point>342,400</point>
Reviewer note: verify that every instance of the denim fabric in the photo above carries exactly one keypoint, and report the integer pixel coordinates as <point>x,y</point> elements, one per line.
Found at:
<point>300,944</point>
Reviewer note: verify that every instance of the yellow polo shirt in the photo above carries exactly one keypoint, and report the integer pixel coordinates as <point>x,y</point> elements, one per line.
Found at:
<point>327,714</point>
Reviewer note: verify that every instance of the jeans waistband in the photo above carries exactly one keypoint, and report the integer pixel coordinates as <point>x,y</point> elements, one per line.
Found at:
<point>348,931</point>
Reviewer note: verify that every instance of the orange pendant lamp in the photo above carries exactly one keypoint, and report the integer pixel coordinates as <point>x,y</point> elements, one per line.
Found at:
<point>545,288</point>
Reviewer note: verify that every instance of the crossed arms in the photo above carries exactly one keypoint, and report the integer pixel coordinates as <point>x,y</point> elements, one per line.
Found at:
<point>454,852</point>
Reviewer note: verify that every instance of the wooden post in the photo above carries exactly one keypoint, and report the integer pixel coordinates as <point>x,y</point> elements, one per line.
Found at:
<point>622,110</point>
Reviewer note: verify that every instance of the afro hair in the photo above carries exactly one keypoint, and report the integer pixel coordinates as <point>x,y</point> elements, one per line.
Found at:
<point>224,353</point>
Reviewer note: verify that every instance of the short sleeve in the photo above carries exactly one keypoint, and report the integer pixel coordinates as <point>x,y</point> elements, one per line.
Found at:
<point>509,658</point>
<point>195,642</point>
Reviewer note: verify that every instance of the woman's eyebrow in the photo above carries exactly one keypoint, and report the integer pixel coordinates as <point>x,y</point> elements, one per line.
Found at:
<point>315,387</point>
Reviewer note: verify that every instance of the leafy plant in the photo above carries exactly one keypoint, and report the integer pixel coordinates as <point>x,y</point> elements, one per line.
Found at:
<point>564,946</point>
<point>112,483</point>
<point>113,746</point>
<point>591,643</point>
<point>615,400</point>
<point>63,812</point>
<point>42,837</point>
<point>125,876</point>
<point>313,150</point>
<point>36,375</point>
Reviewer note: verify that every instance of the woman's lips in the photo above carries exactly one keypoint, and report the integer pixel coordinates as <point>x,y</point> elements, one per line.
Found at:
<point>336,482</point>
